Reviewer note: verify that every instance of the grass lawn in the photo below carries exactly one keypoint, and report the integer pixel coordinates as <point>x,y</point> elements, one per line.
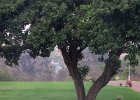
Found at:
<point>57,91</point>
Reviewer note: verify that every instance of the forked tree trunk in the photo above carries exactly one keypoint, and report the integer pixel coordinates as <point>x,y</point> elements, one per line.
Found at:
<point>102,81</point>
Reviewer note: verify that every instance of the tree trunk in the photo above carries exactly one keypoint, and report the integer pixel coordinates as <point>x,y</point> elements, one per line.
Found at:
<point>78,82</point>
<point>79,90</point>
<point>71,60</point>
<point>102,81</point>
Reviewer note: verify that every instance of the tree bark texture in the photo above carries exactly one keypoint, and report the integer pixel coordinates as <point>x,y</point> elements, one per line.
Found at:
<point>78,83</point>
<point>71,63</point>
<point>102,81</point>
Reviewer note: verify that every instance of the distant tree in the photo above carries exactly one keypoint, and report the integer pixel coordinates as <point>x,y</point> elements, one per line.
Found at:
<point>105,26</point>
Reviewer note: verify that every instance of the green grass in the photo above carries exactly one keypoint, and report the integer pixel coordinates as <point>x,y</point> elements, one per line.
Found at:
<point>57,91</point>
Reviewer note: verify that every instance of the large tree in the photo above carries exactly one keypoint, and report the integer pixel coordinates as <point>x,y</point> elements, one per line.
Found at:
<point>105,26</point>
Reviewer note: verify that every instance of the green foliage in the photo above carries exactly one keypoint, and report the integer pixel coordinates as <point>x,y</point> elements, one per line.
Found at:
<point>83,71</point>
<point>133,61</point>
<point>105,26</point>
<point>52,23</point>
<point>11,36</point>
<point>117,23</point>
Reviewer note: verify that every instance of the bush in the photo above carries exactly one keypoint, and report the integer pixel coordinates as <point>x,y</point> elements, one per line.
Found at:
<point>5,76</point>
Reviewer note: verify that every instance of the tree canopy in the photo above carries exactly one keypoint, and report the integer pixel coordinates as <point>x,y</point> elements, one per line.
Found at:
<point>122,19</point>
<point>105,26</point>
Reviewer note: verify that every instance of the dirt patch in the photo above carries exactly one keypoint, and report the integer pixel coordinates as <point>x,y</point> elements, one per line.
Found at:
<point>135,84</point>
